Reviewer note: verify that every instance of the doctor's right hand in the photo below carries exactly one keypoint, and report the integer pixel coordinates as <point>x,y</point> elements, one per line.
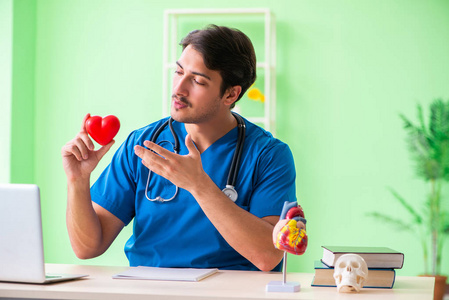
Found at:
<point>79,158</point>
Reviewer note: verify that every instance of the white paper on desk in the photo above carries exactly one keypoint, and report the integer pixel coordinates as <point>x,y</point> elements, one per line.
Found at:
<point>170,274</point>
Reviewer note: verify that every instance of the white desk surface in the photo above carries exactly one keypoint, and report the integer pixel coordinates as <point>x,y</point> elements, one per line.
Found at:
<point>222,285</point>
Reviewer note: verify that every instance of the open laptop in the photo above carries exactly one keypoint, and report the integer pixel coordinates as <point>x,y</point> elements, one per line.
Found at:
<point>21,243</point>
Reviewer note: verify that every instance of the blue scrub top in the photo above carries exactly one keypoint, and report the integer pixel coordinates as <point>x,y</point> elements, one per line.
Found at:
<point>178,233</point>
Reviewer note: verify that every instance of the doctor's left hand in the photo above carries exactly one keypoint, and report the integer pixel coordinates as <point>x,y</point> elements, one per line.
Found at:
<point>181,170</point>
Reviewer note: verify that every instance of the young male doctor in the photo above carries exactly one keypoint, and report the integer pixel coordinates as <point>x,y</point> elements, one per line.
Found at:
<point>200,226</point>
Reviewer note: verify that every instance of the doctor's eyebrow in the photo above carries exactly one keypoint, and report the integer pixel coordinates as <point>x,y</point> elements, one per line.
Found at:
<point>195,73</point>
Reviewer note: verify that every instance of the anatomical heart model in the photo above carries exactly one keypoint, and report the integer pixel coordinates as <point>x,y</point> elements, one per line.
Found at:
<point>289,235</point>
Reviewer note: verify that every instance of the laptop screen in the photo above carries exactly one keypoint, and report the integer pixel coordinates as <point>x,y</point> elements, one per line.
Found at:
<point>21,246</point>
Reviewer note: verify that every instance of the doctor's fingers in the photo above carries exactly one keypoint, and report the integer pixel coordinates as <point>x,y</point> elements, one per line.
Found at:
<point>84,137</point>
<point>191,146</point>
<point>151,160</point>
<point>159,150</point>
<point>78,148</point>
<point>83,125</point>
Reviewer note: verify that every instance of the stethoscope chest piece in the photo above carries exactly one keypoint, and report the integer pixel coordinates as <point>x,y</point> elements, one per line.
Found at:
<point>230,192</point>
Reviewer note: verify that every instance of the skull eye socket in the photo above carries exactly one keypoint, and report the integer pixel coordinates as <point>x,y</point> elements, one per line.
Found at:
<point>342,265</point>
<point>355,264</point>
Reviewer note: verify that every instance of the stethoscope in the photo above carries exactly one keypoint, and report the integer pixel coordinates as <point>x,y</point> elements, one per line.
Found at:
<point>229,190</point>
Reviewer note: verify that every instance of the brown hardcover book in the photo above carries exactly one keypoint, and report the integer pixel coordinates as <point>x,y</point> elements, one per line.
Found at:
<point>377,278</point>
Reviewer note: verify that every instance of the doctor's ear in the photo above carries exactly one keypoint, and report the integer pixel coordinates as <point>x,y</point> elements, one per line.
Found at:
<point>232,94</point>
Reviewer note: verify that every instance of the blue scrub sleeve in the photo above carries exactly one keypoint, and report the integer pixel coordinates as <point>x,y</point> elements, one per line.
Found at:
<point>115,188</point>
<point>275,182</point>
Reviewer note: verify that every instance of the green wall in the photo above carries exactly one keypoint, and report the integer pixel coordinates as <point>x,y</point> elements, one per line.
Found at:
<point>345,70</point>
<point>23,97</point>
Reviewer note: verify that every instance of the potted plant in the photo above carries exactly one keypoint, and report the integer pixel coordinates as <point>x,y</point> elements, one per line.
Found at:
<point>429,148</point>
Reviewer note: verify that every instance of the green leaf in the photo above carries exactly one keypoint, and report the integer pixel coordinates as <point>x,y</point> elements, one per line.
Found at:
<point>416,216</point>
<point>400,225</point>
<point>429,147</point>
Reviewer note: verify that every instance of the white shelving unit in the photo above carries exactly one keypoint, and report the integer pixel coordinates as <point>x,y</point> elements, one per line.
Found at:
<point>171,46</point>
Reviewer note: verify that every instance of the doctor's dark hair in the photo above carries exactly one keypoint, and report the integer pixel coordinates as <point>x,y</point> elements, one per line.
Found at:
<point>228,51</point>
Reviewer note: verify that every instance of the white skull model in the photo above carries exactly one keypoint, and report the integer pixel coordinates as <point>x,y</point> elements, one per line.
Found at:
<point>350,273</point>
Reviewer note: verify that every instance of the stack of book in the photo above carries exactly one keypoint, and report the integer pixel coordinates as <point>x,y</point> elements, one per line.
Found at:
<point>381,261</point>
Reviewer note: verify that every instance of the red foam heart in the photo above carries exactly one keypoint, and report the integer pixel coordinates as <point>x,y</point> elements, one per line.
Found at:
<point>102,130</point>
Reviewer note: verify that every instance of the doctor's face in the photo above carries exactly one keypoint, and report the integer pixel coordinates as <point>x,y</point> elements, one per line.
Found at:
<point>196,96</point>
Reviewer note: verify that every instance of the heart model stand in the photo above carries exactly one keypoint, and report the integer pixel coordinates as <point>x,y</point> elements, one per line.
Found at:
<point>289,235</point>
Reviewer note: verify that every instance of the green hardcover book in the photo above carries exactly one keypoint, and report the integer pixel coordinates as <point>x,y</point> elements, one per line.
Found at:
<point>375,257</point>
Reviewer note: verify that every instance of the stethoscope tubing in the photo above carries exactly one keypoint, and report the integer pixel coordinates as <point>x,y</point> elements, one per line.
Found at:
<point>229,190</point>
<point>233,172</point>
